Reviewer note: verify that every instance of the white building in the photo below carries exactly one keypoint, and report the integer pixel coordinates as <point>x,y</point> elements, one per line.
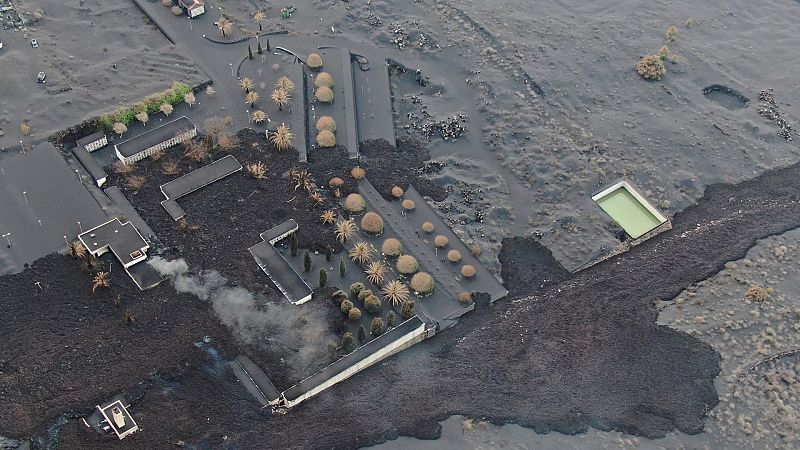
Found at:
<point>157,139</point>
<point>193,8</point>
<point>94,141</point>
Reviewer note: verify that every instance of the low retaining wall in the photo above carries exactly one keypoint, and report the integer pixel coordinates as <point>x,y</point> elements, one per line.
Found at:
<point>401,337</point>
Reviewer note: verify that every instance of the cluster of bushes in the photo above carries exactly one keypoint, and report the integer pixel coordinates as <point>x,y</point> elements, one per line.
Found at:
<point>151,105</point>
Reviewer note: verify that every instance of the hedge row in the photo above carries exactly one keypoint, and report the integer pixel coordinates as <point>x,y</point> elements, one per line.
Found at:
<point>151,104</point>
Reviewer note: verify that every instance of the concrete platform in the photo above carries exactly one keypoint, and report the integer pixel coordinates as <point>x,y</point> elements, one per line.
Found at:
<point>195,180</point>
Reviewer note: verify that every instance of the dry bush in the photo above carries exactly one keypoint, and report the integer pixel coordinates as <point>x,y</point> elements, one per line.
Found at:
<point>428,227</point>
<point>324,94</point>
<point>345,229</point>
<point>185,226</point>
<point>121,168</point>
<point>326,139</point>
<point>229,142</point>
<point>210,91</point>
<point>467,271</point>
<point>166,108</point>
<point>323,79</point>
<point>170,168</point>
<point>757,293</point>
<point>282,138</point>
<point>475,250</point>
<point>195,151</point>
<point>258,170</point>
<point>391,247</point>
<point>158,154</point>
<point>314,61</point>
<point>440,241</point>
<point>119,128</point>
<point>465,297</point>
<point>651,67</point>
<point>397,192</point>
<point>663,52</point>
<point>328,216</point>
<point>361,252</point>
<point>395,292</point>
<point>673,58</point>
<point>24,128</point>
<point>335,182</point>
<point>167,3</point>
<point>176,10</point>
<point>672,33</point>
<point>101,280</point>
<point>354,203</point>
<point>77,249</point>
<point>376,272</point>
<point>251,98</point>
<point>326,123</point>
<point>286,84</point>
<point>407,264</point>
<point>354,314</point>
<point>135,182</point>
<point>454,256</point>
<point>408,205</point>
<point>372,223</point>
<point>358,172</point>
<point>689,22</point>
<point>422,283</point>
<point>258,116</point>
<point>246,84</point>
<point>281,98</point>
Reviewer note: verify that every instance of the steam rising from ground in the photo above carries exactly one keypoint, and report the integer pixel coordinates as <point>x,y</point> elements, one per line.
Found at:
<point>299,329</point>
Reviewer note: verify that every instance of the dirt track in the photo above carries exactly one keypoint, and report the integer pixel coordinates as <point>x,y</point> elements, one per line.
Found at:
<point>584,352</point>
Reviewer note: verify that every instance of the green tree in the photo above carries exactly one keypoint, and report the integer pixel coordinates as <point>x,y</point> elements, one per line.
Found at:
<point>268,48</point>
<point>391,319</point>
<point>328,253</point>
<point>260,50</point>
<point>372,304</point>
<point>307,262</point>
<point>293,244</point>
<point>342,268</point>
<point>348,342</point>
<point>356,288</point>
<point>323,278</point>
<point>377,326</point>
<point>362,333</point>
<point>407,310</point>
<point>249,52</point>
<point>346,306</point>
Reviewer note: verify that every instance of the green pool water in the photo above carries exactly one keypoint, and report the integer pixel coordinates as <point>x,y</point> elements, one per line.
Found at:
<point>628,212</point>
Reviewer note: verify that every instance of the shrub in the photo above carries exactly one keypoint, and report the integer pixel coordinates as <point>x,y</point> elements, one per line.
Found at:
<point>362,333</point>
<point>135,182</point>
<point>167,3</point>
<point>663,52</point>
<point>673,58</point>
<point>757,293</point>
<point>465,297</point>
<point>454,256</point>
<point>407,264</point>
<point>372,304</point>
<point>354,314</point>
<point>257,170</point>
<point>314,61</point>
<point>364,294</point>
<point>176,10</point>
<point>377,326</point>
<point>422,283</point>
<point>307,261</point>
<point>24,128</point>
<point>335,182</point>
<point>323,278</point>
<point>348,342</point>
<point>397,192</point>
<point>391,247</point>
<point>356,288</point>
<point>475,250</point>
<point>339,296</point>
<point>467,271</point>
<point>326,139</point>
<point>428,227</point>
<point>651,67</point>
<point>395,292</point>
<point>391,319</point>
<point>408,205</point>
<point>358,173</point>
<point>326,123</point>
<point>354,203</point>
<point>407,310</point>
<point>324,79</point>
<point>372,223</point>
<point>440,241</point>
<point>324,94</point>
<point>672,33</point>
<point>346,306</point>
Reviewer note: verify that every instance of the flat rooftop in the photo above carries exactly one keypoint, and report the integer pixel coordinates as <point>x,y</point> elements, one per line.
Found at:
<point>154,136</point>
<point>279,232</point>
<point>352,358</point>
<point>90,164</point>
<point>289,282</point>
<point>122,239</point>
<point>195,180</point>
<point>629,209</point>
<point>96,136</point>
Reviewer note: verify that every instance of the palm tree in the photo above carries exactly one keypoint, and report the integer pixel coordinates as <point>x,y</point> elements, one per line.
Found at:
<point>328,216</point>
<point>395,292</point>
<point>317,198</point>
<point>302,179</point>
<point>258,17</point>
<point>345,229</point>
<point>361,252</point>
<point>251,98</point>
<point>101,280</point>
<point>281,98</point>
<point>224,25</point>
<point>246,84</point>
<point>282,137</point>
<point>376,272</point>
<point>286,84</point>
<point>77,249</point>
<point>258,116</point>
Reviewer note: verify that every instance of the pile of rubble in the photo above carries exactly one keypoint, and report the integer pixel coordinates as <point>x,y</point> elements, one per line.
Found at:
<point>769,109</point>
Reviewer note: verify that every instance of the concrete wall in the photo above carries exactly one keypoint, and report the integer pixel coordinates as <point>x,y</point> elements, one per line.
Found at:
<point>158,147</point>
<point>401,343</point>
<point>96,145</point>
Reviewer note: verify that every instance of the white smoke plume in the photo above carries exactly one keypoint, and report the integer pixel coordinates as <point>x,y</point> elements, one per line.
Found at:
<point>300,329</point>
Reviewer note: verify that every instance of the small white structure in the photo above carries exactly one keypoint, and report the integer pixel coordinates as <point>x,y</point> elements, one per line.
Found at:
<point>94,141</point>
<point>193,8</point>
<point>157,139</point>
<point>117,419</point>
